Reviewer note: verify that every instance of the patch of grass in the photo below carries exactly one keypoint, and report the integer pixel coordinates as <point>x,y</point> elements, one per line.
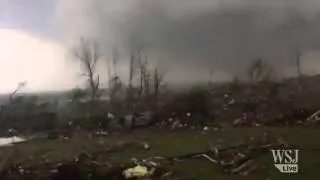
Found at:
<point>178,143</point>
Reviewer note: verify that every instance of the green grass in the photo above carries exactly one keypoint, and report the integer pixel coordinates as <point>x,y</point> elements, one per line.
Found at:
<point>173,143</point>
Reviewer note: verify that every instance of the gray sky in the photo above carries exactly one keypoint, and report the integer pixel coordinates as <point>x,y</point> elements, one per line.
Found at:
<point>186,38</point>
<point>29,50</point>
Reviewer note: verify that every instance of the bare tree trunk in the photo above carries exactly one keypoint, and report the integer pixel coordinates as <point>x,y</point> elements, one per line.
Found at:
<point>147,84</point>
<point>142,75</point>
<point>300,82</point>
<point>109,73</point>
<point>115,58</point>
<point>92,83</point>
<point>130,91</point>
<point>156,82</point>
<point>132,57</point>
<point>146,76</point>
<point>113,80</point>
<point>87,54</point>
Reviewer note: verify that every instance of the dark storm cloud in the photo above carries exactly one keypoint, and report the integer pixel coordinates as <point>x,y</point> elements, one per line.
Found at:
<point>227,38</point>
<point>209,35</point>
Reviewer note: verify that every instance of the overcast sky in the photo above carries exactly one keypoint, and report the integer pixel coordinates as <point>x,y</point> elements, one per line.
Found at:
<point>187,38</point>
<point>29,49</point>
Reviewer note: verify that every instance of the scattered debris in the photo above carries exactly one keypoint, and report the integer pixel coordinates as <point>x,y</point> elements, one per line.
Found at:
<point>237,159</point>
<point>297,117</point>
<point>175,124</point>
<point>314,118</point>
<point>102,133</point>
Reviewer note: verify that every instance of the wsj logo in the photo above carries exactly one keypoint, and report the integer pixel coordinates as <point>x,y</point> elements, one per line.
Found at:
<point>286,161</point>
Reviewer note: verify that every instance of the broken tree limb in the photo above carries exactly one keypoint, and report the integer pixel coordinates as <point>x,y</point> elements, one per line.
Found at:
<point>207,157</point>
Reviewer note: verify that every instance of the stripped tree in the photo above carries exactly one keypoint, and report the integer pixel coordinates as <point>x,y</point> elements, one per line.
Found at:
<point>114,81</point>
<point>88,56</point>
<point>157,81</point>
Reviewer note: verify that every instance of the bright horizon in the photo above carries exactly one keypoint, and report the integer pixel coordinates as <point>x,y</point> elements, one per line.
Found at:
<point>39,61</point>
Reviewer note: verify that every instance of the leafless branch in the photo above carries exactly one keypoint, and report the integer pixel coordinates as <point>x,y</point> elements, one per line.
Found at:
<point>88,56</point>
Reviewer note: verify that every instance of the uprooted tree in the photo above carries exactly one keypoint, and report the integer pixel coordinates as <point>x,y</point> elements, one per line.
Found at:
<point>88,56</point>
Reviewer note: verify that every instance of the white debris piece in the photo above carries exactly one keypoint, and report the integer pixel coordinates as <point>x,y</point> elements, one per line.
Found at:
<point>175,124</point>
<point>237,122</point>
<point>102,133</point>
<point>146,146</point>
<point>232,101</point>
<point>110,116</point>
<point>136,172</point>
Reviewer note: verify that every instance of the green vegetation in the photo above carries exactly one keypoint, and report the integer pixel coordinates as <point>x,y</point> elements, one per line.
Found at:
<point>177,143</point>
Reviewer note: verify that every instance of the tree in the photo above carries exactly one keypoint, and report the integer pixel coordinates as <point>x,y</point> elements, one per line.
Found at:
<point>115,86</point>
<point>88,56</point>
<point>135,64</point>
<point>132,68</point>
<point>114,82</point>
<point>144,76</point>
<point>115,59</point>
<point>157,81</point>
